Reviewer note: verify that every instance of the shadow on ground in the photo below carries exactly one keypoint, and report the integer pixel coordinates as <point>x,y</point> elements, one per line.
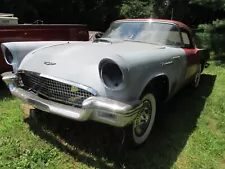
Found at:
<point>4,92</point>
<point>220,62</point>
<point>174,124</point>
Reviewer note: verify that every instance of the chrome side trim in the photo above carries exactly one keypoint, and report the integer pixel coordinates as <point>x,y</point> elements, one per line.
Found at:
<point>176,57</point>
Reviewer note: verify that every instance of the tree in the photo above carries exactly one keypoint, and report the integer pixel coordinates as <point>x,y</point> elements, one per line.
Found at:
<point>212,4</point>
<point>146,9</point>
<point>211,35</point>
<point>137,8</point>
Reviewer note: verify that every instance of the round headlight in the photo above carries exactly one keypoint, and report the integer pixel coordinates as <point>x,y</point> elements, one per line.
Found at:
<point>111,74</point>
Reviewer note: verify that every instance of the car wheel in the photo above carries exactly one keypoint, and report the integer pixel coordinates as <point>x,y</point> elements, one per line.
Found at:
<point>140,129</point>
<point>197,78</point>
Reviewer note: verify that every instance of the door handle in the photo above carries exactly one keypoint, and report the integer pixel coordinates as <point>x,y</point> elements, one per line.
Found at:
<point>176,57</point>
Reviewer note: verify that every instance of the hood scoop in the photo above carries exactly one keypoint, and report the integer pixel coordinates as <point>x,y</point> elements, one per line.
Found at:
<point>107,40</point>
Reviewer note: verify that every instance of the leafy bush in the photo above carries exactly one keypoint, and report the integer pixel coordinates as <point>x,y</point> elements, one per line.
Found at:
<point>211,36</point>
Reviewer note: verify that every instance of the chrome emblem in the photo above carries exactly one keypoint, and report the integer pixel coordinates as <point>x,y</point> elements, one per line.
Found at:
<point>49,63</point>
<point>166,63</point>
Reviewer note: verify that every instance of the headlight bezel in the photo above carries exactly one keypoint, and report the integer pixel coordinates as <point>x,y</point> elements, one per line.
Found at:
<point>8,56</point>
<point>104,63</point>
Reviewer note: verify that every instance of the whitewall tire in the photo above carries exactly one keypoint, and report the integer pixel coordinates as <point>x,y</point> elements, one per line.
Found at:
<point>142,125</point>
<point>197,77</point>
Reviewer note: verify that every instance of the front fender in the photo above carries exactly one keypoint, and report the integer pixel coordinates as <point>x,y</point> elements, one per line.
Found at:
<point>14,52</point>
<point>145,66</point>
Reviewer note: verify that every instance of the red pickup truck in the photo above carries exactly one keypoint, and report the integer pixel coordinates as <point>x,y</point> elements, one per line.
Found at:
<point>45,32</point>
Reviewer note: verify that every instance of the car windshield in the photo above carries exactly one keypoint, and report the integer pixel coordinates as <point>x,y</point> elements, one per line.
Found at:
<point>146,32</point>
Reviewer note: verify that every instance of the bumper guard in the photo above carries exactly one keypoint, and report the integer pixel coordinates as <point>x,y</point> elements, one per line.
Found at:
<point>95,108</point>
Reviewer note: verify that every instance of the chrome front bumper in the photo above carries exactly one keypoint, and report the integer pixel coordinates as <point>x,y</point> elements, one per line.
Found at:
<point>95,108</point>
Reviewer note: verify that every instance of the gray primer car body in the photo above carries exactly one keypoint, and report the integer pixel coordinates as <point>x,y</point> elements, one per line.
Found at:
<point>141,61</point>
<point>78,65</point>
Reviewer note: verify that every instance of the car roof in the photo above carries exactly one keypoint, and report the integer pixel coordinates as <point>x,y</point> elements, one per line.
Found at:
<point>180,24</point>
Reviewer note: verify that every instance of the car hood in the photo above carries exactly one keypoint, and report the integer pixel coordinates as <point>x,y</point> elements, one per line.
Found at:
<point>78,61</point>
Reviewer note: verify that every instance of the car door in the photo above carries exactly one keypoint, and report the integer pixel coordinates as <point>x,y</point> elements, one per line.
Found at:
<point>177,61</point>
<point>192,55</point>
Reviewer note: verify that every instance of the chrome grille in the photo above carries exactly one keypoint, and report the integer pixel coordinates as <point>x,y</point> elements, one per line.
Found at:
<point>54,90</point>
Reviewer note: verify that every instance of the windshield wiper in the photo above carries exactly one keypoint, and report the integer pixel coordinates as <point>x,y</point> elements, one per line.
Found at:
<point>134,40</point>
<point>155,43</point>
<point>102,40</point>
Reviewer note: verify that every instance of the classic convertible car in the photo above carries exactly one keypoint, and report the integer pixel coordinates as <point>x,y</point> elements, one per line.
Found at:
<point>117,79</point>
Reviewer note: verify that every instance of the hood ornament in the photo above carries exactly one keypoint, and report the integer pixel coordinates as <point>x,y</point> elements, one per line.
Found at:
<point>49,63</point>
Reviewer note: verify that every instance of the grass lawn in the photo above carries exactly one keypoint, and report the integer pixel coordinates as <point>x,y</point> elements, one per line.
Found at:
<point>189,133</point>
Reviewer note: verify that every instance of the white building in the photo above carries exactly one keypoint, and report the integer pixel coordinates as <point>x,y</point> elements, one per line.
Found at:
<point>8,19</point>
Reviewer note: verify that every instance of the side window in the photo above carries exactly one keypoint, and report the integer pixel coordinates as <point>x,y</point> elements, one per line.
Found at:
<point>186,39</point>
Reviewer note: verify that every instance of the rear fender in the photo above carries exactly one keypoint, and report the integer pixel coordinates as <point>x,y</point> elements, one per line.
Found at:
<point>204,55</point>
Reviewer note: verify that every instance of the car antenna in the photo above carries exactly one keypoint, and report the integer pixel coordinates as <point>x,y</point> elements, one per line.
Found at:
<point>172,14</point>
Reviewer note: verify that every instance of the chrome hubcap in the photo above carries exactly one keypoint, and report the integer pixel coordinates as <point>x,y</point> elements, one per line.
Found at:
<point>142,121</point>
<point>197,77</point>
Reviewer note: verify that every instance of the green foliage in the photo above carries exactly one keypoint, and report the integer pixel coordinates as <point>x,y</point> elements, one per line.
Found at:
<point>211,36</point>
<point>137,8</point>
<point>213,4</point>
<point>15,157</point>
<point>145,9</point>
